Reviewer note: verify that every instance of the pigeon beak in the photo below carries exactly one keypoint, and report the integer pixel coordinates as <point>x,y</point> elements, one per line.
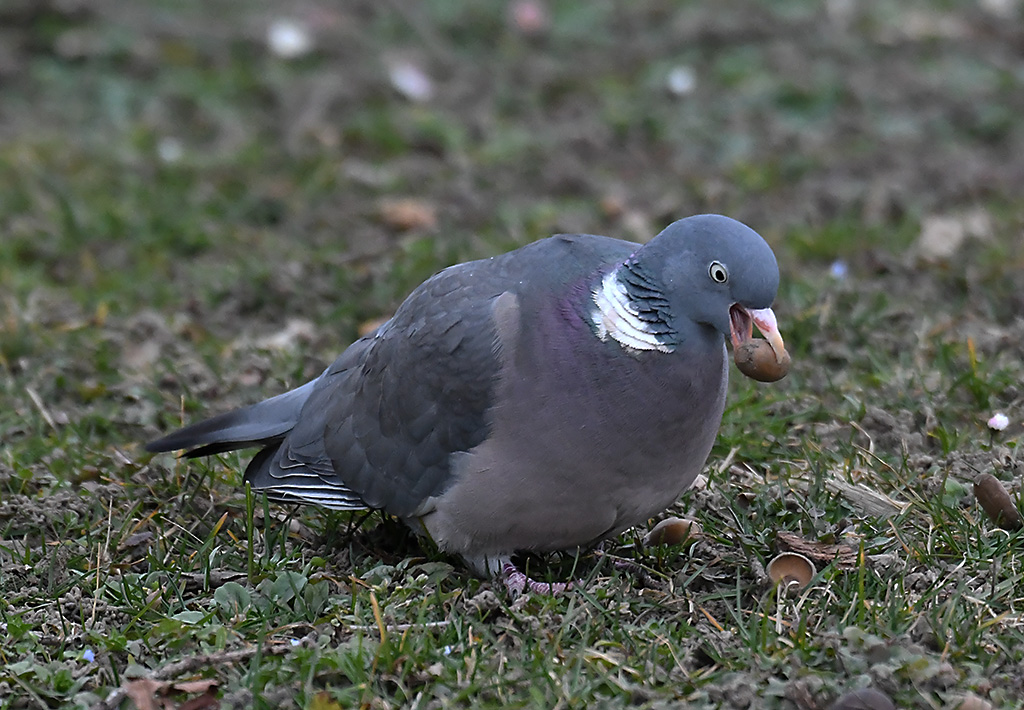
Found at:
<point>764,319</point>
<point>741,322</point>
<point>741,325</point>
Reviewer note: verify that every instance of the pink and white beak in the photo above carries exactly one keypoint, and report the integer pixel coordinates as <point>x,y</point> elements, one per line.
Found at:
<point>741,326</point>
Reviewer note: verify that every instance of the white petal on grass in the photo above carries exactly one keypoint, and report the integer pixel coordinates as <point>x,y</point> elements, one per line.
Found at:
<point>170,150</point>
<point>289,39</point>
<point>998,422</point>
<point>681,80</point>
<point>410,81</point>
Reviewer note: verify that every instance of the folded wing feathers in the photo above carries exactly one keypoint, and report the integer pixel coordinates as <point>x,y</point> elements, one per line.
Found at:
<point>289,478</point>
<point>326,496</point>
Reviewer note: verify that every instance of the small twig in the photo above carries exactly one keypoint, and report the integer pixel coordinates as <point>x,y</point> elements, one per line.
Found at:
<point>102,553</point>
<point>727,462</point>
<point>194,663</point>
<point>38,401</point>
<point>400,628</point>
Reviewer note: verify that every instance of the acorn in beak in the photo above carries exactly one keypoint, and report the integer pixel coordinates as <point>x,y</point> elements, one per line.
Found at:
<point>763,360</point>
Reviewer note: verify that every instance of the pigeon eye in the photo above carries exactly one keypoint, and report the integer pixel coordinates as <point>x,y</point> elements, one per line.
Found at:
<point>718,273</point>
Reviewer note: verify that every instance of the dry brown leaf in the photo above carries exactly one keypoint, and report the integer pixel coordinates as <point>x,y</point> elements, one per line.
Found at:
<point>150,694</point>
<point>823,552</point>
<point>408,213</point>
<point>142,692</point>
<point>866,499</point>
<point>207,701</point>
<point>942,235</point>
<point>203,685</point>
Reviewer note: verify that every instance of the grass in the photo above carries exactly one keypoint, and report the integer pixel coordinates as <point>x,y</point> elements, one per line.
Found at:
<point>137,292</point>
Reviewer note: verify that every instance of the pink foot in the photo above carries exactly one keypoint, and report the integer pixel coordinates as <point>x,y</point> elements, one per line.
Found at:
<point>516,582</point>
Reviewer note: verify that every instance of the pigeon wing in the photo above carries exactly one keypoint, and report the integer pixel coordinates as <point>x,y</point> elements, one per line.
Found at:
<point>382,422</point>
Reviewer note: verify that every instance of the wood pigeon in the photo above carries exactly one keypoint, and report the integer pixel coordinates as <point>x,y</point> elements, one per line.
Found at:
<point>544,399</point>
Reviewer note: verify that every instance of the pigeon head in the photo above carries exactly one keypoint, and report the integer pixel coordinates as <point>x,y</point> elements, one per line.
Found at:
<point>703,271</point>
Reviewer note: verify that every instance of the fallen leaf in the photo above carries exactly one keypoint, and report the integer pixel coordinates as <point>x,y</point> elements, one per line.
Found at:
<point>150,694</point>
<point>207,701</point>
<point>143,692</point>
<point>844,555</point>
<point>408,213</point>
<point>866,499</point>
<point>942,236</point>
<point>203,685</point>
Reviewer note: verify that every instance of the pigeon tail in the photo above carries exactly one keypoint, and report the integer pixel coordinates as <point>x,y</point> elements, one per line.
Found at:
<point>259,424</point>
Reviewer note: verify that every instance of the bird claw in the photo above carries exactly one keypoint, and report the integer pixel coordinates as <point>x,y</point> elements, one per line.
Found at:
<point>516,582</point>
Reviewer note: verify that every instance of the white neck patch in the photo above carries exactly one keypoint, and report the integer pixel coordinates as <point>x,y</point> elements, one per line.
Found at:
<point>617,318</point>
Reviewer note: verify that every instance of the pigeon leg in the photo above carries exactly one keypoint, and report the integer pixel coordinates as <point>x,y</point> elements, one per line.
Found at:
<point>516,582</point>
